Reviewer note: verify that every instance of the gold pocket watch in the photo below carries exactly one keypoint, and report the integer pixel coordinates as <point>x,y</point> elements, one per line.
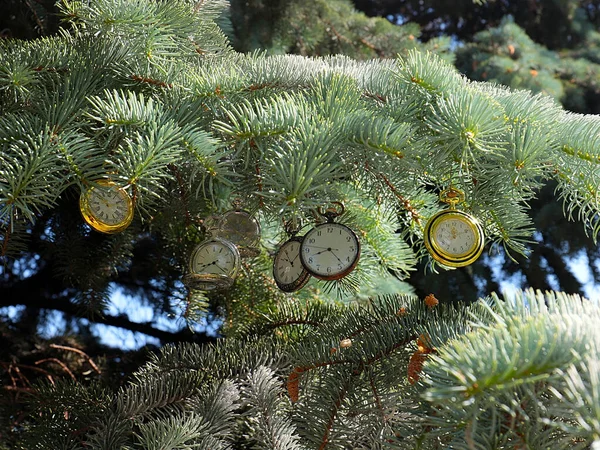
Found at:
<point>241,228</point>
<point>452,237</point>
<point>288,271</point>
<point>330,251</point>
<point>106,207</point>
<point>213,265</point>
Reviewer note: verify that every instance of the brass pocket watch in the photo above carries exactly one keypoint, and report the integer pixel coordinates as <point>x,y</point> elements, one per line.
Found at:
<point>213,265</point>
<point>106,207</point>
<point>330,251</point>
<point>453,237</point>
<point>242,229</point>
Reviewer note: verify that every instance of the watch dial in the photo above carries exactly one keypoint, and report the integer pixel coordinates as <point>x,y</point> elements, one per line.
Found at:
<point>109,204</point>
<point>240,228</point>
<point>288,271</point>
<point>330,251</point>
<point>455,237</point>
<point>214,257</point>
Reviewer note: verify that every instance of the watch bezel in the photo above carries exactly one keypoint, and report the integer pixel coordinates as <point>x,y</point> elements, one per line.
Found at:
<point>207,281</point>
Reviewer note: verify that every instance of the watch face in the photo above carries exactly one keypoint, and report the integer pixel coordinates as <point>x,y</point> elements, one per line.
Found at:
<point>288,271</point>
<point>107,208</point>
<point>454,238</point>
<point>330,251</point>
<point>217,256</point>
<point>242,229</point>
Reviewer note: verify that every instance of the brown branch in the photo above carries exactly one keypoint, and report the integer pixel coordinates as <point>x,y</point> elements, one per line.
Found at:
<point>60,363</point>
<point>377,399</point>
<point>294,322</point>
<point>25,366</point>
<point>17,389</point>
<point>261,203</point>
<point>379,52</point>
<point>405,202</point>
<point>188,216</point>
<point>80,352</point>
<point>23,378</point>
<point>332,416</point>
<point>6,239</point>
<point>35,16</point>
<point>150,81</point>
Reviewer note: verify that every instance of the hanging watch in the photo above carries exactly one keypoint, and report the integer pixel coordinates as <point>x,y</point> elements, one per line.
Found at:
<point>213,265</point>
<point>288,271</point>
<point>330,251</point>
<point>453,237</point>
<point>238,226</point>
<point>106,207</point>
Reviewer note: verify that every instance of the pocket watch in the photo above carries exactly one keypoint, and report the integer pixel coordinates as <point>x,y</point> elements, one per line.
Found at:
<point>241,228</point>
<point>106,207</point>
<point>288,271</point>
<point>214,264</point>
<point>330,251</point>
<point>452,237</point>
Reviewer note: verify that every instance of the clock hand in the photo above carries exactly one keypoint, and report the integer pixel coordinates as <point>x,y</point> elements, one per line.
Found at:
<point>205,265</point>
<point>288,258</point>
<point>336,257</point>
<point>324,248</point>
<point>322,251</point>
<point>220,268</point>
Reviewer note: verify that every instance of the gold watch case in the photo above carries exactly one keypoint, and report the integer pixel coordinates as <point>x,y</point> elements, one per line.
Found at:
<point>454,238</point>
<point>106,207</point>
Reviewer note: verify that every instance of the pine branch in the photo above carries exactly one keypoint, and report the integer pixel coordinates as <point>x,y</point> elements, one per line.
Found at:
<point>20,293</point>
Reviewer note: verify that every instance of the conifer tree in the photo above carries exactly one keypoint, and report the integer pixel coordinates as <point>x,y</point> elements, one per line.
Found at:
<point>150,96</point>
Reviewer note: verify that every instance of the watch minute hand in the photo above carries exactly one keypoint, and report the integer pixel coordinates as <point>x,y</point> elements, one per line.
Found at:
<point>316,246</point>
<point>336,257</point>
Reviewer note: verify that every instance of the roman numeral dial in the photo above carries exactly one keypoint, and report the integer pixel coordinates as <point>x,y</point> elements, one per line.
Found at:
<point>106,207</point>
<point>454,238</point>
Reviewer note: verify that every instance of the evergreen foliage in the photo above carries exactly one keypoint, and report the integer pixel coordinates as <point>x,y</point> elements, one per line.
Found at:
<point>150,95</point>
<point>320,28</point>
<point>499,373</point>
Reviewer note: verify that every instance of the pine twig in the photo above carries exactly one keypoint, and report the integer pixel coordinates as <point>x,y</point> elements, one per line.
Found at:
<point>60,363</point>
<point>80,352</point>
<point>332,416</point>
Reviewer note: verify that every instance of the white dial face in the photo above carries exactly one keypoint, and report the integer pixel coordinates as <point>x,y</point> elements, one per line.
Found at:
<point>287,267</point>
<point>214,257</point>
<point>330,250</point>
<point>455,237</point>
<point>109,204</point>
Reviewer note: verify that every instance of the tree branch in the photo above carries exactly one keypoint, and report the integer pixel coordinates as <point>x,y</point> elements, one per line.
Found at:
<point>42,291</point>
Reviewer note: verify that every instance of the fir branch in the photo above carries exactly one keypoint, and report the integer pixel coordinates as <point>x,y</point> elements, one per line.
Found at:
<point>270,425</point>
